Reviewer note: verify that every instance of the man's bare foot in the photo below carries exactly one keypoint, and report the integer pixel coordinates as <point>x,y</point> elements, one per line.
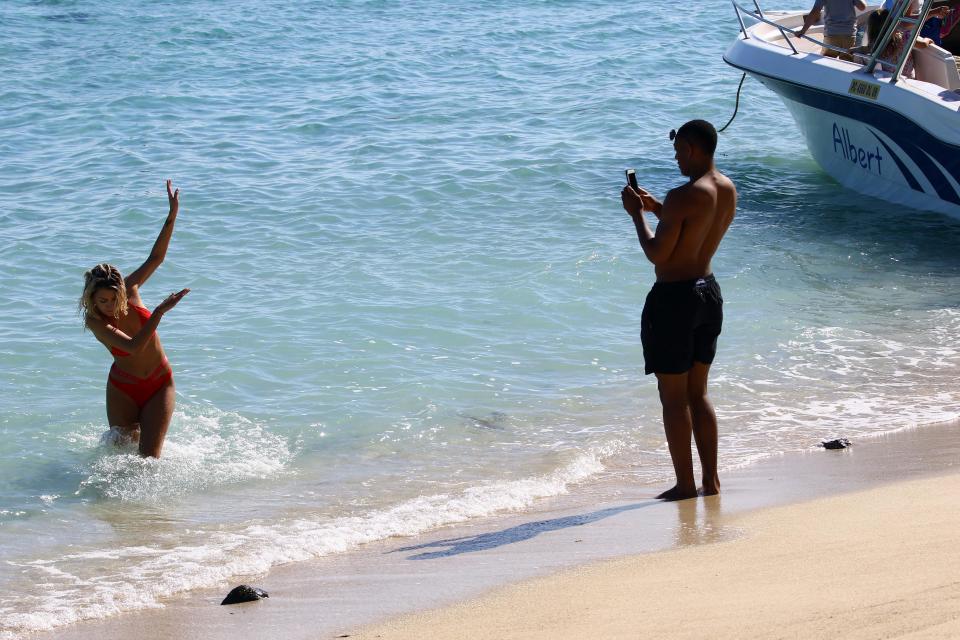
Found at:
<point>710,488</point>
<point>676,493</point>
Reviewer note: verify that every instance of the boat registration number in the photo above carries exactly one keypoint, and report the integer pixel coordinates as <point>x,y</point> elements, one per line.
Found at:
<point>864,89</point>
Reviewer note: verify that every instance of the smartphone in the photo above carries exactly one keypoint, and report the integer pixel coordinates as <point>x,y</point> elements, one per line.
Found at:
<point>632,178</point>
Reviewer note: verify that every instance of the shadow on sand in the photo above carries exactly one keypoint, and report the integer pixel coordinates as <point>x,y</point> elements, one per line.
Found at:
<point>519,533</point>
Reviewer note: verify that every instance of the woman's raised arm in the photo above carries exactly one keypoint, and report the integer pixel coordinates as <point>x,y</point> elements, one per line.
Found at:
<point>159,251</point>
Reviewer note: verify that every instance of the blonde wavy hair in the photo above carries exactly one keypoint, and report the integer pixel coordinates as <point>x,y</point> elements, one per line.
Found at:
<point>102,276</point>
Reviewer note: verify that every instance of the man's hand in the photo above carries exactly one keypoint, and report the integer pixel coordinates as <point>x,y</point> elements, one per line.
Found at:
<point>808,20</point>
<point>632,201</point>
<point>639,200</point>
<point>649,202</point>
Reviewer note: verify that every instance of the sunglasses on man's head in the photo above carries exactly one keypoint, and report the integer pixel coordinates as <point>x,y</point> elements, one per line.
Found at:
<point>673,134</point>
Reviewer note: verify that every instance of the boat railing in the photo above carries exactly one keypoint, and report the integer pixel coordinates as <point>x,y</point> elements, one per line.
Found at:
<point>785,32</point>
<point>896,17</point>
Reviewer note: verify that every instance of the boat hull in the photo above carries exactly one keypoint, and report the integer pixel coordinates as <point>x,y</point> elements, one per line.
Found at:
<point>883,155</point>
<point>887,141</point>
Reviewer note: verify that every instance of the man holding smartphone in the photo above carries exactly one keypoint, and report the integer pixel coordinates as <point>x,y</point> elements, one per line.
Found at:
<point>683,313</point>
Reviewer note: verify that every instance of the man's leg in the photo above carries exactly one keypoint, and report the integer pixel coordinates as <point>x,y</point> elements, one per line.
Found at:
<point>704,422</point>
<point>845,42</point>
<point>678,426</point>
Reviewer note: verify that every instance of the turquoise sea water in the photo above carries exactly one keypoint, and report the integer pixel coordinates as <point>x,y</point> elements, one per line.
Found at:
<point>415,296</point>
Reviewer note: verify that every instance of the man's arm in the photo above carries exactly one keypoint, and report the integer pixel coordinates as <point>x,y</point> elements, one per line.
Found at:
<point>677,206</point>
<point>650,203</point>
<point>811,18</point>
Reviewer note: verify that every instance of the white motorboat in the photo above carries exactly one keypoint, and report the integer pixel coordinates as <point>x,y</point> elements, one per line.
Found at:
<point>870,127</point>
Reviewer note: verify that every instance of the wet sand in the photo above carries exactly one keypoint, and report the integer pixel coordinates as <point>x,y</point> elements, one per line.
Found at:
<point>837,522</point>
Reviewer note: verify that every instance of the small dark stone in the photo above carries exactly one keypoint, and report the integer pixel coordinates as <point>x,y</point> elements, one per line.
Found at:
<point>839,443</point>
<point>244,593</point>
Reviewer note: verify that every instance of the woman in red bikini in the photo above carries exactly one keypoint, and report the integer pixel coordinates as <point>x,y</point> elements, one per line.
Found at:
<point>140,393</point>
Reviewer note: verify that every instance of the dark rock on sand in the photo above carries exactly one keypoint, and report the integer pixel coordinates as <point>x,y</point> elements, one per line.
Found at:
<point>839,443</point>
<point>244,593</point>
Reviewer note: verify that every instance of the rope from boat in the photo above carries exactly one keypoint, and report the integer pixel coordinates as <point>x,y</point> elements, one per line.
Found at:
<point>737,106</point>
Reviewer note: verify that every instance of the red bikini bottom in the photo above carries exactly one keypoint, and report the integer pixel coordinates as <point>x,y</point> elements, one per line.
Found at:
<point>140,390</point>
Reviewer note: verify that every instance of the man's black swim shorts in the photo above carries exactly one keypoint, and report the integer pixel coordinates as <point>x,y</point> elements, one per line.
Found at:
<point>680,324</point>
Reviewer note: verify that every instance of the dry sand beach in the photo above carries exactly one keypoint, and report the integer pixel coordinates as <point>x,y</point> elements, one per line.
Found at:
<point>857,543</point>
<point>881,563</point>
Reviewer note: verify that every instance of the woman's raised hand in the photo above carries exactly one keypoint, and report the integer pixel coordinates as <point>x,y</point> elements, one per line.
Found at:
<point>173,197</point>
<point>171,301</point>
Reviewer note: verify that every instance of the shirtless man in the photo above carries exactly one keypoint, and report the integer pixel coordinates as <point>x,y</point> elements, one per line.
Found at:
<point>684,310</point>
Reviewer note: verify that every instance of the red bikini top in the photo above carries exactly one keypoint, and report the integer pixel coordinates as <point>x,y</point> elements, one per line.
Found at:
<point>144,316</point>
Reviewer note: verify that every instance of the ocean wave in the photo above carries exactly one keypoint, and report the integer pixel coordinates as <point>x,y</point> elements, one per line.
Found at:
<point>97,583</point>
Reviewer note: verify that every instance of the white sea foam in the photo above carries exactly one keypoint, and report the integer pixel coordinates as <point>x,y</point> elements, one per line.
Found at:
<point>205,447</point>
<point>100,582</point>
<point>843,381</point>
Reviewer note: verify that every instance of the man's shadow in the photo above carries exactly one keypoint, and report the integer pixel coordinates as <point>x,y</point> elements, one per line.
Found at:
<point>519,533</point>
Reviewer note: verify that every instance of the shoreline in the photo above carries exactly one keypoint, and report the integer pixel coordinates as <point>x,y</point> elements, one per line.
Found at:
<point>336,595</point>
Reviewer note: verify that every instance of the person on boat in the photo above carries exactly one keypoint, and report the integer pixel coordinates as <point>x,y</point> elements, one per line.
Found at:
<point>839,25</point>
<point>950,22</point>
<point>890,5</point>
<point>894,50</point>
<point>140,391</point>
<point>938,23</point>
<point>683,313</point>
<point>944,18</point>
